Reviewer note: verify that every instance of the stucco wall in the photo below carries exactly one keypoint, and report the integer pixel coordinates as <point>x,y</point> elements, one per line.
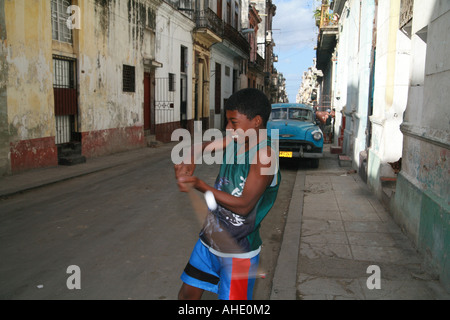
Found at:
<point>173,30</point>
<point>218,56</point>
<point>421,200</point>
<point>390,93</point>
<point>28,139</point>
<point>112,35</point>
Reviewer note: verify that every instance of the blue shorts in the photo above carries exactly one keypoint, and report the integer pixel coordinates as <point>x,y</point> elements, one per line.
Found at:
<point>230,277</point>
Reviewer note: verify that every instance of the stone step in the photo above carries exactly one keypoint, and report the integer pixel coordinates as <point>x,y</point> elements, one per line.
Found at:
<point>69,154</point>
<point>71,160</point>
<point>345,161</point>
<point>335,149</point>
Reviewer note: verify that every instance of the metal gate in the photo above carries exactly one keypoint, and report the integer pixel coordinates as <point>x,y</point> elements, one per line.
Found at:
<point>65,98</point>
<point>165,99</point>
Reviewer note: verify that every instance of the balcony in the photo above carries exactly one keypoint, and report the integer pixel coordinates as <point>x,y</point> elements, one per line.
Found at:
<point>326,40</point>
<point>208,27</point>
<point>232,35</point>
<point>258,64</point>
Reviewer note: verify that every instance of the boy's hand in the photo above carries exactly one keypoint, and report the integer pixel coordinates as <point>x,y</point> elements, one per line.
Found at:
<point>187,183</point>
<point>182,170</point>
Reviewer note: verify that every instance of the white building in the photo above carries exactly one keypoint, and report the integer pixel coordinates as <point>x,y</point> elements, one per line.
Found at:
<point>228,59</point>
<point>173,77</point>
<point>390,70</point>
<point>421,200</point>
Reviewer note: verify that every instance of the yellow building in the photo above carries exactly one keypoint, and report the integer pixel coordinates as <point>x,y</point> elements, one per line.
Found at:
<point>208,31</point>
<point>27,108</point>
<point>74,78</point>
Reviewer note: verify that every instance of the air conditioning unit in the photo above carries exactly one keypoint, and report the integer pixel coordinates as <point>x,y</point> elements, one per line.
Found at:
<point>268,36</point>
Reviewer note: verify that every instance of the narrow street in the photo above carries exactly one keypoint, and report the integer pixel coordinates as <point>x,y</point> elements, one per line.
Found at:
<point>128,229</point>
<point>130,232</point>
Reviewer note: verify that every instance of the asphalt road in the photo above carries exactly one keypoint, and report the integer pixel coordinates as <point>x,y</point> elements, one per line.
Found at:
<point>128,229</point>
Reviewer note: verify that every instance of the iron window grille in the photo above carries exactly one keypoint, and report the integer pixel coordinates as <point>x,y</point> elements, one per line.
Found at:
<point>64,85</point>
<point>65,98</point>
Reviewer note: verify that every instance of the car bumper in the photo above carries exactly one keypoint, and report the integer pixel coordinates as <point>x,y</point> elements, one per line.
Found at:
<point>309,155</point>
<point>299,149</point>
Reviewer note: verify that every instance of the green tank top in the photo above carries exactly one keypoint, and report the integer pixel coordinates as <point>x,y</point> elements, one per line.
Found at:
<point>226,231</point>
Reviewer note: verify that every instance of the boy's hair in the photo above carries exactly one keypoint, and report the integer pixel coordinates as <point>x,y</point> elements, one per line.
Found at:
<point>250,102</point>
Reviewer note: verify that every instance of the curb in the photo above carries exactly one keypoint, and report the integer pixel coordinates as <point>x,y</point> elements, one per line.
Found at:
<point>284,285</point>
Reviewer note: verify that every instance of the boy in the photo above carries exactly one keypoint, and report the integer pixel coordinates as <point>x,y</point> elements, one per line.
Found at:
<point>225,259</point>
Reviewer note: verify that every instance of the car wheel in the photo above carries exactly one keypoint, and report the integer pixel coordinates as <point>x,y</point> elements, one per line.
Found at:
<point>314,163</point>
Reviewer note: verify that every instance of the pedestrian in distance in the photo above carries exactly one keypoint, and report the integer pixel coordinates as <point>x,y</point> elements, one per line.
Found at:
<point>225,258</point>
<point>329,125</point>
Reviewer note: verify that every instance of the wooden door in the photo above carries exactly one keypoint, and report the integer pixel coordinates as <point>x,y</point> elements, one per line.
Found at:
<point>219,8</point>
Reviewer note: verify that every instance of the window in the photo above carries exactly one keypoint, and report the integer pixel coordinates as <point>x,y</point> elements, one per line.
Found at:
<point>63,72</point>
<point>183,59</point>
<point>229,11</point>
<point>236,16</point>
<point>128,79</point>
<point>171,82</point>
<point>60,31</point>
<point>219,8</point>
<point>227,71</point>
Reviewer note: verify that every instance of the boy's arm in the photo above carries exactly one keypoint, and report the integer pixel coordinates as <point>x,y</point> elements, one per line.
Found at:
<point>187,167</point>
<point>255,186</point>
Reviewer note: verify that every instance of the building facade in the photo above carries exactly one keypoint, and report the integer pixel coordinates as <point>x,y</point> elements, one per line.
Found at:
<point>310,86</point>
<point>421,201</point>
<point>392,107</point>
<point>228,59</point>
<point>99,77</point>
<point>80,83</point>
<point>175,67</point>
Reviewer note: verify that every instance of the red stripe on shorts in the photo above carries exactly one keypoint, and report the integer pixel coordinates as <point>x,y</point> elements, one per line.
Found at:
<point>239,279</point>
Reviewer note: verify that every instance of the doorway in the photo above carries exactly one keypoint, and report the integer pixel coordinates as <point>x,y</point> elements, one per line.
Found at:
<point>149,102</point>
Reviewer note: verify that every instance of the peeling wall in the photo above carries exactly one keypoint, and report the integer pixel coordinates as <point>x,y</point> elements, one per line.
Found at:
<point>108,40</point>
<point>27,85</point>
<point>112,35</point>
<point>4,134</point>
<point>421,203</point>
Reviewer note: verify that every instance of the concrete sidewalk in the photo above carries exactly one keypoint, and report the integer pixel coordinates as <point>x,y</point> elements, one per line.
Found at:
<point>342,233</point>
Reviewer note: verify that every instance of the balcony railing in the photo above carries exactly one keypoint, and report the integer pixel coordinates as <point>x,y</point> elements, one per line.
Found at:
<point>236,38</point>
<point>258,64</point>
<point>208,19</point>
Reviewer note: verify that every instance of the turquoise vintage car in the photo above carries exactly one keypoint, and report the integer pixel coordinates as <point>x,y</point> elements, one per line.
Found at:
<point>299,136</point>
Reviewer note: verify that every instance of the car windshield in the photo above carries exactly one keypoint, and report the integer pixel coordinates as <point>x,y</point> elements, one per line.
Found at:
<point>291,113</point>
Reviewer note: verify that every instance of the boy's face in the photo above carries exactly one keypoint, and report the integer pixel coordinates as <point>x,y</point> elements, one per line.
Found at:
<point>238,121</point>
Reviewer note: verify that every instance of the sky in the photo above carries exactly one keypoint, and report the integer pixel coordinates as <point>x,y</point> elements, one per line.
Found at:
<point>295,36</point>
